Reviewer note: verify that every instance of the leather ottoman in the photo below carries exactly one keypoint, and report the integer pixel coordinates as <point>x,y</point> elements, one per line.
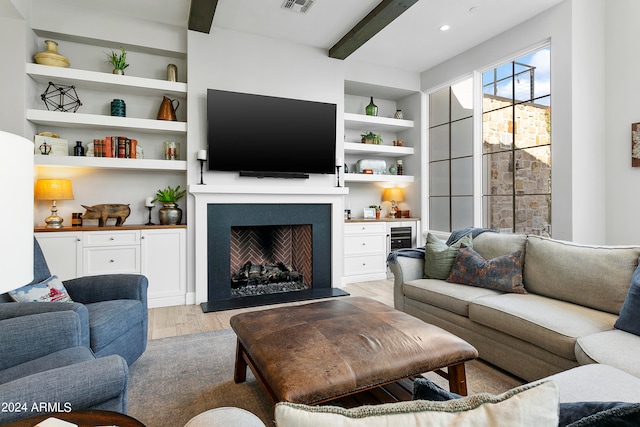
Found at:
<point>317,352</point>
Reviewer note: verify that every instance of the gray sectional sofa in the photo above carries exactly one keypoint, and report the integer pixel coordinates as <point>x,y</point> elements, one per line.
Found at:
<point>566,318</point>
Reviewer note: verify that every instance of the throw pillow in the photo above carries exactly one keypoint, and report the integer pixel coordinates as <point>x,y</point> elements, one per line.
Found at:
<point>599,414</point>
<point>629,319</point>
<point>439,257</point>
<point>503,273</point>
<point>528,405</point>
<point>50,290</point>
<point>424,389</point>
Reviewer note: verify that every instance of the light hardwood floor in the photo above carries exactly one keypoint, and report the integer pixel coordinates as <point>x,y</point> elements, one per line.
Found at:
<point>190,319</point>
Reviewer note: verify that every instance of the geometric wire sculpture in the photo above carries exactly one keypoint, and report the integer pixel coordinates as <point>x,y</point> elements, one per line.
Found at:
<point>61,98</point>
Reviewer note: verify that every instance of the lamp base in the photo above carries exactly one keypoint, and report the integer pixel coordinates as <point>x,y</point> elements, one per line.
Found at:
<point>54,221</point>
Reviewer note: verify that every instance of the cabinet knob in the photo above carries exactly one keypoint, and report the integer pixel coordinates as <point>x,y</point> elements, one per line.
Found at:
<point>364,244</point>
<point>111,260</point>
<point>111,238</point>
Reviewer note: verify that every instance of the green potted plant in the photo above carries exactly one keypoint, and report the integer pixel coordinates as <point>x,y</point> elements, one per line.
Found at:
<point>170,213</point>
<point>377,208</point>
<point>371,138</point>
<point>119,61</point>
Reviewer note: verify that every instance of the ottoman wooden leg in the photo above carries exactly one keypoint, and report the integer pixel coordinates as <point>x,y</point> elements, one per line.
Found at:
<point>240,372</point>
<point>457,379</point>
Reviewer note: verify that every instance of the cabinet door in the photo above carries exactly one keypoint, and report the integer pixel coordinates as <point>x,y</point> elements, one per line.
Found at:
<point>164,264</point>
<point>111,260</point>
<point>63,252</point>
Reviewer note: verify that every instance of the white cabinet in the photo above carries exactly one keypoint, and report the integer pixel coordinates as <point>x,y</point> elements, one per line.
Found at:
<point>63,252</point>
<point>157,253</point>
<point>365,251</point>
<point>164,262</point>
<point>367,244</point>
<point>111,252</point>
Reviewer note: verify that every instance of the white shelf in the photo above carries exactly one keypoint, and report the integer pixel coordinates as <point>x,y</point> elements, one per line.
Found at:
<point>360,121</point>
<point>104,81</point>
<point>377,150</point>
<point>110,163</point>
<point>94,121</point>
<point>363,177</point>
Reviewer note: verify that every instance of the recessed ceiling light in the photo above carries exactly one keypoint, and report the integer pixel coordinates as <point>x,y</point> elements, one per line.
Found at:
<point>444,28</point>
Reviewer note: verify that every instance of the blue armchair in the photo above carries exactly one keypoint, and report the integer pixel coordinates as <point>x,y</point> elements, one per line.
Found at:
<point>43,361</point>
<point>112,309</point>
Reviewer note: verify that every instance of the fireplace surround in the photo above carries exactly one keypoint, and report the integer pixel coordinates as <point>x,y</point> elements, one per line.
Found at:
<point>218,209</point>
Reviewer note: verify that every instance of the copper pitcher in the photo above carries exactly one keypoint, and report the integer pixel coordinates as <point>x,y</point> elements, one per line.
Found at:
<point>167,110</point>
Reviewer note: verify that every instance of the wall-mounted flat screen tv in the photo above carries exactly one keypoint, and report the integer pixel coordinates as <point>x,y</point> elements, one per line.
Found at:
<point>267,136</point>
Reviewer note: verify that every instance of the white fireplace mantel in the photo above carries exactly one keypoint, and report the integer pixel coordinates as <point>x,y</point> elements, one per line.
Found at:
<point>198,190</point>
<point>211,194</point>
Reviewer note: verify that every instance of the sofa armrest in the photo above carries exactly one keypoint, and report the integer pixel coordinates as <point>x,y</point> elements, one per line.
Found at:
<point>90,289</point>
<point>16,309</point>
<point>404,269</point>
<point>84,385</point>
<point>26,338</point>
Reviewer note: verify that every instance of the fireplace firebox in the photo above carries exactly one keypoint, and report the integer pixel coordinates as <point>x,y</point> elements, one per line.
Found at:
<point>262,254</point>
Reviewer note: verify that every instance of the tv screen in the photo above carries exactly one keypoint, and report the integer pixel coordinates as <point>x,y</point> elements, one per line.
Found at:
<point>261,135</point>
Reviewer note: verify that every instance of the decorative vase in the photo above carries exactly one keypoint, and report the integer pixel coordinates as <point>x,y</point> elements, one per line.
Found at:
<point>119,72</point>
<point>51,56</point>
<point>371,109</point>
<point>170,214</point>
<point>172,73</point>
<point>398,115</point>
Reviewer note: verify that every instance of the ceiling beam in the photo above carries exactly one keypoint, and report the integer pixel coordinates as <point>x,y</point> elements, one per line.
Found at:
<point>376,20</point>
<point>201,15</point>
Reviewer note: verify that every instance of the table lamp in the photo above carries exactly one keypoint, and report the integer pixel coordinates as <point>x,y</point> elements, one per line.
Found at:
<point>16,223</point>
<point>393,195</point>
<point>54,190</point>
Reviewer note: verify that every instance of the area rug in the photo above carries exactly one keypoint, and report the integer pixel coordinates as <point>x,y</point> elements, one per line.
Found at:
<point>180,377</point>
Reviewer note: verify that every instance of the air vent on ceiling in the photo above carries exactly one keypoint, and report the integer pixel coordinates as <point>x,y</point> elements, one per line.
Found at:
<point>300,6</point>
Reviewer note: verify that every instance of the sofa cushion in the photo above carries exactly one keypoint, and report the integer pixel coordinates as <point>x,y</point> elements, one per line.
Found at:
<point>49,290</point>
<point>547,323</point>
<point>448,296</point>
<point>527,405</point>
<point>614,348</point>
<point>503,273</point>
<point>629,319</point>
<point>439,258</point>
<point>579,273</point>
<point>491,245</point>
<point>109,320</point>
<point>579,384</point>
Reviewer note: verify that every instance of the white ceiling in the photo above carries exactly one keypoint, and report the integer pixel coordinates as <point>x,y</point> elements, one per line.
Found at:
<point>413,42</point>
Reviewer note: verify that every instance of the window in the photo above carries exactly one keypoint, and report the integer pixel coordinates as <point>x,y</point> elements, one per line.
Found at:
<point>516,145</point>
<point>451,157</point>
<point>516,149</point>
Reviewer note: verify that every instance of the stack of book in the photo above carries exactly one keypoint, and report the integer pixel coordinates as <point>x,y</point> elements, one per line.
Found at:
<point>115,146</point>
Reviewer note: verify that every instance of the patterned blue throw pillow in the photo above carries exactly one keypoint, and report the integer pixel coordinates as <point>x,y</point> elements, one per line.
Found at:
<point>503,273</point>
<point>629,320</point>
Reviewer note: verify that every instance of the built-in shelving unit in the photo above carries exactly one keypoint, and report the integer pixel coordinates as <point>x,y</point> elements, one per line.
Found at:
<point>363,177</point>
<point>104,81</point>
<point>111,163</point>
<point>377,150</point>
<point>375,123</point>
<point>107,83</point>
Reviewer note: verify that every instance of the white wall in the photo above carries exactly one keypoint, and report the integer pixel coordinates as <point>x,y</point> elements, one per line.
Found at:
<point>574,126</point>
<point>622,109</point>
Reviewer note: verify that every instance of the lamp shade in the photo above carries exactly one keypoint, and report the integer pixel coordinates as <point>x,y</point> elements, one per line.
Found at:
<point>53,189</point>
<point>16,222</point>
<point>393,194</point>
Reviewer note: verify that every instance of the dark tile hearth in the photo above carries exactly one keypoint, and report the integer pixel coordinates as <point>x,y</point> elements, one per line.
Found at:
<point>267,299</point>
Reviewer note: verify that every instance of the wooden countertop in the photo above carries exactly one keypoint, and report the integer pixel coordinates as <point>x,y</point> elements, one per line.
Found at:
<point>380,220</point>
<point>106,228</point>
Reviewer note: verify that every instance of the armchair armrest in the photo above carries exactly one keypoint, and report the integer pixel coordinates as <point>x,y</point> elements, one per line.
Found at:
<point>404,269</point>
<point>84,385</point>
<point>16,309</point>
<point>90,289</point>
<point>26,338</point>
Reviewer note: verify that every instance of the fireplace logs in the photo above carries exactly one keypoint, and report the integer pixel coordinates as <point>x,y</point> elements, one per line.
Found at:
<point>263,274</point>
